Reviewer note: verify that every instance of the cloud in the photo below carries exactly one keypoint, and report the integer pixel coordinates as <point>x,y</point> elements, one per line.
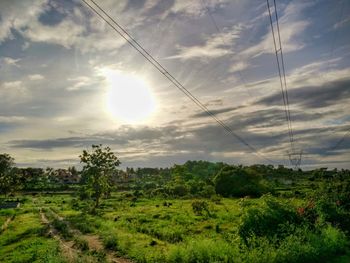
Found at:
<point>11,119</point>
<point>13,91</point>
<point>36,77</point>
<point>52,143</point>
<point>196,8</point>
<point>18,14</point>
<point>65,33</point>
<point>239,66</point>
<point>292,28</point>
<point>331,93</point>
<point>77,29</point>
<point>341,23</point>
<point>73,43</point>
<point>80,82</point>
<point>215,112</point>
<point>10,61</point>
<point>215,46</point>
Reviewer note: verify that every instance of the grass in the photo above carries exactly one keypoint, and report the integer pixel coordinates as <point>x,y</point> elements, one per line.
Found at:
<point>23,241</point>
<point>151,232</point>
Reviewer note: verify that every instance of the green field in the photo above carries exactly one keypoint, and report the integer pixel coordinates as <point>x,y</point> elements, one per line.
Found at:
<point>195,212</point>
<point>57,228</point>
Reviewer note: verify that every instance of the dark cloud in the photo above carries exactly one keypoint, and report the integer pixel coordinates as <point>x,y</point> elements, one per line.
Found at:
<point>215,112</point>
<point>122,136</point>
<point>51,16</point>
<point>134,4</point>
<point>160,7</point>
<point>162,146</point>
<point>326,95</point>
<point>52,143</point>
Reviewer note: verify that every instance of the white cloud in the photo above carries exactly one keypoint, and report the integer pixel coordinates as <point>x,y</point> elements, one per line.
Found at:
<point>66,33</point>
<point>11,119</point>
<point>79,83</point>
<point>36,77</point>
<point>16,14</point>
<point>11,61</point>
<point>341,23</point>
<point>13,91</point>
<point>291,28</point>
<point>195,7</point>
<point>215,46</point>
<point>238,66</point>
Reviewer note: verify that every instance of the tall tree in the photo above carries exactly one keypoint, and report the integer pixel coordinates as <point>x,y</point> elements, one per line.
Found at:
<point>99,165</point>
<point>8,180</point>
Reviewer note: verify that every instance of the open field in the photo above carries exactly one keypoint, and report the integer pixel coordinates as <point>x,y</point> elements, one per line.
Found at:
<point>57,228</point>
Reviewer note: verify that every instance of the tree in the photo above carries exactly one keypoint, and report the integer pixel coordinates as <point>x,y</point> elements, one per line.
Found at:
<point>8,177</point>
<point>236,181</point>
<point>99,166</point>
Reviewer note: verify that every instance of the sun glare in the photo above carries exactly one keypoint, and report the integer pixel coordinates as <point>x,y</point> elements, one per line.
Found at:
<point>129,97</point>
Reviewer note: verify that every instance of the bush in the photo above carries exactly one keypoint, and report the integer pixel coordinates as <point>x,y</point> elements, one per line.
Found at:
<point>208,191</point>
<point>329,212</point>
<point>178,190</point>
<point>273,219</point>
<point>81,244</point>
<point>111,242</point>
<point>237,182</point>
<point>199,207</point>
<point>62,227</point>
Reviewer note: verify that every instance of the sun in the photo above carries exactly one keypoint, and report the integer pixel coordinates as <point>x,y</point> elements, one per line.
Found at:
<point>129,97</point>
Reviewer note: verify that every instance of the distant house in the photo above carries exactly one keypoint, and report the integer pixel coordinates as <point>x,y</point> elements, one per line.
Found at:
<point>10,204</point>
<point>66,177</point>
<point>123,177</point>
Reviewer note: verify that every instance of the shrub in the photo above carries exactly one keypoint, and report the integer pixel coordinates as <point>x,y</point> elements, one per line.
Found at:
<point>272,219</point>
<point>81,244</point>
<point>207,191</point>
<point>199,207</point>
<point>329,212</point>
<point>62,227</point>
<point>236,181</point>
<point>111,242</point>
<point>178,190</point>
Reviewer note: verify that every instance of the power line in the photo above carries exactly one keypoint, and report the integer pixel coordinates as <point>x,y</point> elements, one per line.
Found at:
<point>283,69</point>
<point>244,82</point>
<point>279,72</point>
<point>294,157</point>
<point>124,34</point>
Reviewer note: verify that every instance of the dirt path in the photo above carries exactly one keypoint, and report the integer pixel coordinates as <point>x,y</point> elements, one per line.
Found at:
<point>94,241</point>
<point>6,223</point>
<point>70,253</point>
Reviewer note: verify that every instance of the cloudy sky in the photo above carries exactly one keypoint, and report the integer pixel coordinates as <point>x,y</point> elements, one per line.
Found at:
<point>68,81</point>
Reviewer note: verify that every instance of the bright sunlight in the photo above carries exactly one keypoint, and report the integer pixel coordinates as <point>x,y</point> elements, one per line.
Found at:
<point>129,97</point>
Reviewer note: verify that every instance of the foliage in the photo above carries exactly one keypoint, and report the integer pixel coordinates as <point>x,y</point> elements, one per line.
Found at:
<point>236,181</point>
<point>272,219</point>
<point>9,179</point>
<point>111,242</point>
<point>199,207</point>
<point>99,166</point>
<point>81,244</point>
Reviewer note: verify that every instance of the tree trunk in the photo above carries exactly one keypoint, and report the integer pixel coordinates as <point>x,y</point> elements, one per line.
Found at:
<point>97,202</point>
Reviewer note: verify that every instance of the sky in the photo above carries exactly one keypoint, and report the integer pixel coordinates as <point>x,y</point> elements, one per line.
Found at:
<point>68,81</point>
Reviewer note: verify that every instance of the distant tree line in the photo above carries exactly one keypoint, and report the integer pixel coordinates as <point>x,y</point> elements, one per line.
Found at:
<point>100,176</point>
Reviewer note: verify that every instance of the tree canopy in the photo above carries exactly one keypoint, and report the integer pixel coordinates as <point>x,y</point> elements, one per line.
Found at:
<point>99,166</point>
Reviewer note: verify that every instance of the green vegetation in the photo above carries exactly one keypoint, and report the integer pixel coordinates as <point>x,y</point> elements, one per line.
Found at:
<point>99,166</point>
<point>196,212</point>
